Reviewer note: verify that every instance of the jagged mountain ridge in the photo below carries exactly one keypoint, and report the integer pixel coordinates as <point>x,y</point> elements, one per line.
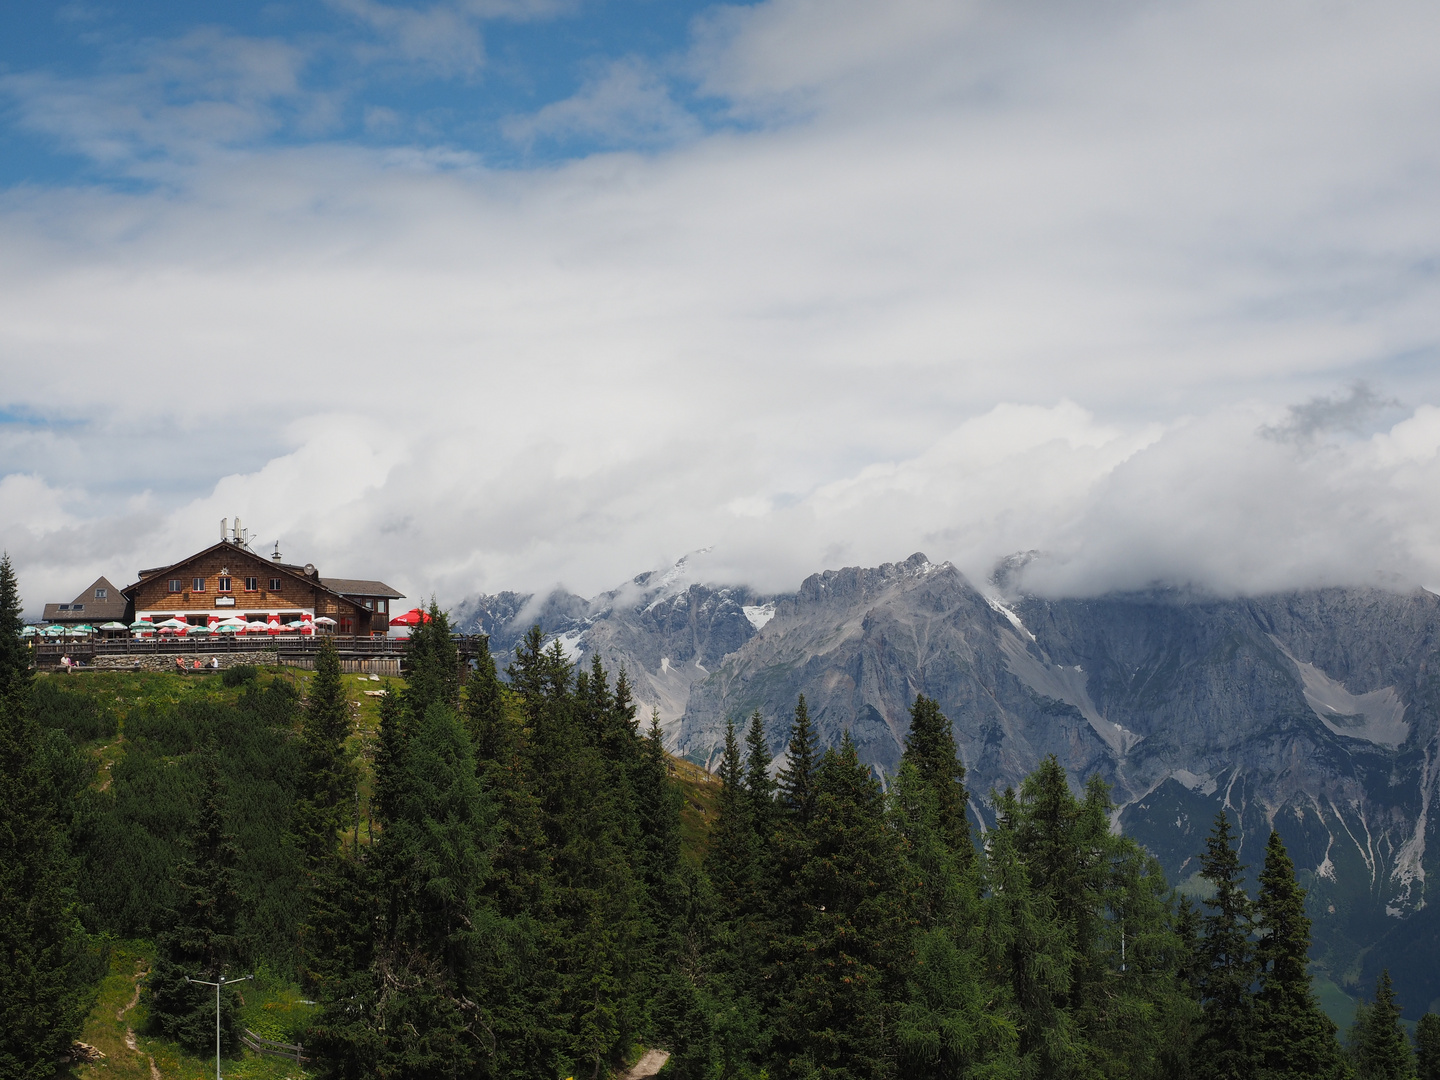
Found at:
<point>1311,711</point>
<point>666,631</point>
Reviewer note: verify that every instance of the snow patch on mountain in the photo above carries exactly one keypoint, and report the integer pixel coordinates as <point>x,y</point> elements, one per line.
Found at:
<point>1067,684</point>
<point>759,614</point>
<point>1377,716</point>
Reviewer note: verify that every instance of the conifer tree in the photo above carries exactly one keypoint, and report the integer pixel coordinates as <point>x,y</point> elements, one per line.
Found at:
<point>797,777</point>
<point>845,966</point>
<point>1226,963</point>
<point>320,813</point>
<point>420,1008</point>
<point>199,938</point>
<point>759,784</point>
<point>1294,1039</point>
<point>730,861</point>
<point>1028,949</point>
<point>657,802</point>
<point>485,705</point>
<point>930,747</point>
<point>329,780</point>
<point>43,969</point>
<point>518,880</point>
<point>1378,1043</point>
<point>1427,1047</point>
<point>432,664</point>
<point>944,1027</point>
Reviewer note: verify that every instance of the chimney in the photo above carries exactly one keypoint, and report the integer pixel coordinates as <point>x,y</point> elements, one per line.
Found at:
<point>224,529</point>
<point>276,556</point>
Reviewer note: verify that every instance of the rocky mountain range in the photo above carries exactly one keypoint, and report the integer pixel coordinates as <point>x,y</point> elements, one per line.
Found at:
<point>1313,712</point>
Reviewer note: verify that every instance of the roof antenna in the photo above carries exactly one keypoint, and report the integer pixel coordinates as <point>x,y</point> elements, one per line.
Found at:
<point>224,529</point>
<point>277,557</point>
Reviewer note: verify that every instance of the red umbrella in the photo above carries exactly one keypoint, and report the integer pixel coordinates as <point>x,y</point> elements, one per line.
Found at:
<point>413,617</point>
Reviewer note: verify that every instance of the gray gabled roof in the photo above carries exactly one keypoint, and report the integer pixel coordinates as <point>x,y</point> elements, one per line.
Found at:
<point>360,587</point>
<point>90,610</point>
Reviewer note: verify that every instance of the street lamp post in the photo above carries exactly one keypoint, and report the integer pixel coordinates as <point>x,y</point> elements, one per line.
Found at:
<point>223,982</point>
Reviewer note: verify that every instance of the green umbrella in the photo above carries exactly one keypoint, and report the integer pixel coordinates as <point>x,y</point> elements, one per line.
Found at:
<point>30,631</point>
<point>84,628</point>
<point>55,631</point>
<point>142,625</point>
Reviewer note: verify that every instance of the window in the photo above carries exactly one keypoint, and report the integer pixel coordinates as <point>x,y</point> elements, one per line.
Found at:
<point>274,584</point>
<point>380,605</point>
<point>198,585</point>
<point>252,584</point>
<point>101,594</point>
<point>369,605</point>
<point>224,584</point>
<point>64,607</point>
<point>176,585</point>
<point>77,607</point>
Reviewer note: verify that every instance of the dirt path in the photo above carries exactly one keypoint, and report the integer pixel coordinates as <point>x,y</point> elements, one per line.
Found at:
<point>647,1066</point>
<point>129,1031</point>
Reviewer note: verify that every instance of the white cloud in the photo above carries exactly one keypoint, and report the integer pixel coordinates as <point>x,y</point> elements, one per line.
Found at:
<point>973,279</point>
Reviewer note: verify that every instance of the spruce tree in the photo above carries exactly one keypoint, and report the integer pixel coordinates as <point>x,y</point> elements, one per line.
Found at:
<point>1226,963</point>
<point>797,777</point>
<point>43,966</point>
<point>845,966</point>
<point>199,937</point>
<point>421,1009</point>
<point>657,802</point>
<point>1427,1047</point>
<point>930,747</point>
<point>321,809</point>
<point>432,664</point>
<point>1294,1039</point>
<point>329,780</point>
<point>759,784</point>
<point>944,1027</point>
<point>1378,1043</point>
<point>730,860</point>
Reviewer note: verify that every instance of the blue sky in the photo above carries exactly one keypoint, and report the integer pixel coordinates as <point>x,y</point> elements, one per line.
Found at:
<point>465,78</point>
<point>484,294</point>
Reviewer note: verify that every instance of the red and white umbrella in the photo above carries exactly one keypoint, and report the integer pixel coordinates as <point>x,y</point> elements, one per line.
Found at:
<point>325,620</point>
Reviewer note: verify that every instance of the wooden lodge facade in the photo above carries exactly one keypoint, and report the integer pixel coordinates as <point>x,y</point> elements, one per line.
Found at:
<point>229,579</point>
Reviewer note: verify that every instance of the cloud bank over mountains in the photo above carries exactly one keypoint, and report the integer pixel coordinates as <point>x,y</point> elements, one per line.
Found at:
<point>1152,292</point>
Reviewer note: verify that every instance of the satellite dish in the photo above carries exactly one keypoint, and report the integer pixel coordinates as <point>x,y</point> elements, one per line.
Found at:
<point>309,569</point>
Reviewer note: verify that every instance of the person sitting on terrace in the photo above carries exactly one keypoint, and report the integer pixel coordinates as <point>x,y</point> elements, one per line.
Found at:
<point>196,665</point>
<point>180,662</point>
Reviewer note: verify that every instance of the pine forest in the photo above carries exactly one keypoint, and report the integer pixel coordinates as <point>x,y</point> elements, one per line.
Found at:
<point>497,871</point>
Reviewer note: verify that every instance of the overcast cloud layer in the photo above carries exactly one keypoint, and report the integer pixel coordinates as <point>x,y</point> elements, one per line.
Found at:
<point>1153,288</point>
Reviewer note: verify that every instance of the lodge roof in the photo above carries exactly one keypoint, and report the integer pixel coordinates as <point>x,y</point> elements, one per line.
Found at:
<point>307,574</point>
<point>361,587</point>
<point>87,608</point>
